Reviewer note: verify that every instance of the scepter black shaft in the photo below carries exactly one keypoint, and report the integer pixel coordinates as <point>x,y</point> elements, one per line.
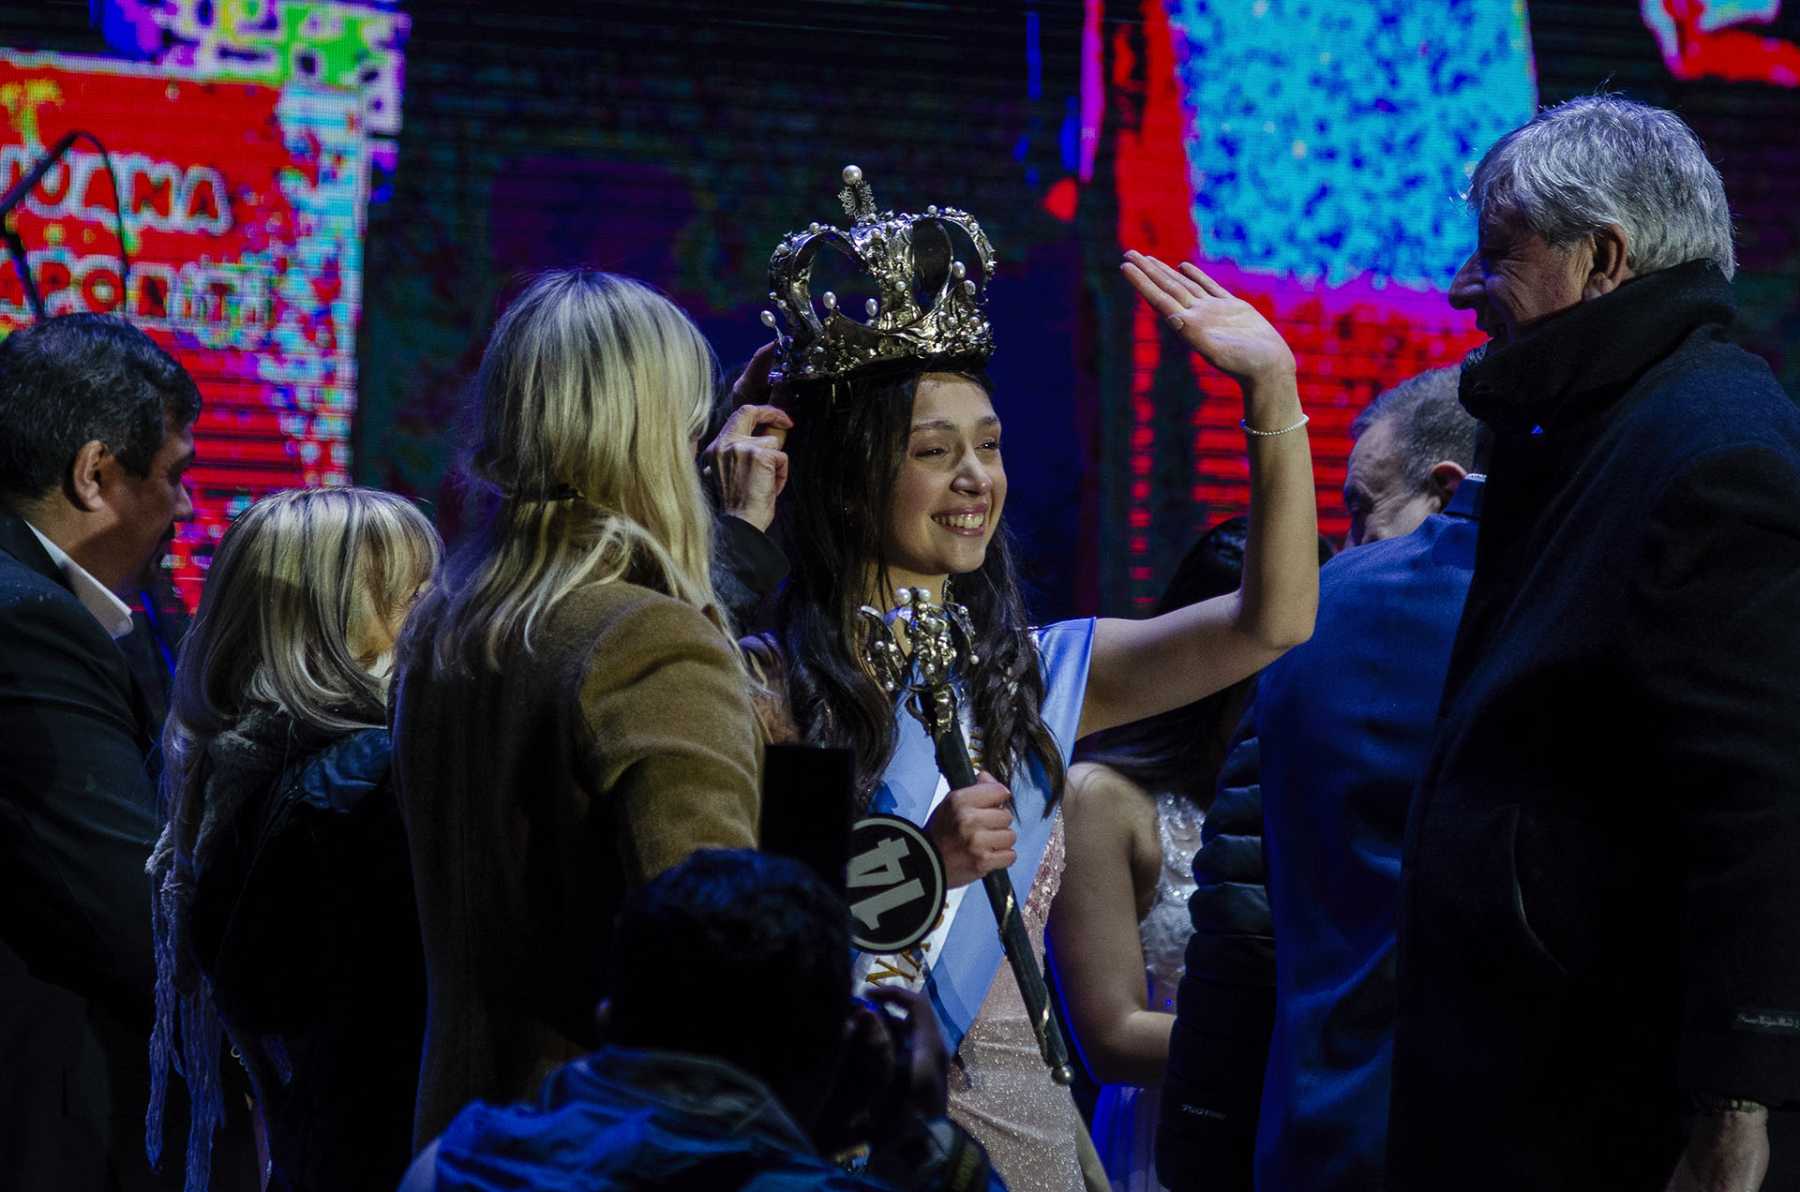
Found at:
<point>953,761</point>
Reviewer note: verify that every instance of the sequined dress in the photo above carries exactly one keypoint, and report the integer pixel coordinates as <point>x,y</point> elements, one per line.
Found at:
<point>1125,1115</point>
<point>1000,1090</point>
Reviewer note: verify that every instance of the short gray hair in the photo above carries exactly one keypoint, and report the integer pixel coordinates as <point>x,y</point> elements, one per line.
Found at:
<point>1430,424</point>
<point>1604,159</point>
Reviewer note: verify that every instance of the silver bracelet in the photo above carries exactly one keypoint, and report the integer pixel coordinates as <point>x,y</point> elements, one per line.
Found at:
<point>1270,434</point>
<point>1717,1103</point>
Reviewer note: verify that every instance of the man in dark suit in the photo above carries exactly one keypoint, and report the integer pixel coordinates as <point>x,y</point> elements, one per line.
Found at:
<point>1600,930</point>
<point>95,435</point>
<point>1313,802</point>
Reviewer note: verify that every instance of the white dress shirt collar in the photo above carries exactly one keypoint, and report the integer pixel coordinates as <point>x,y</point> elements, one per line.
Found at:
<point>113,614</point>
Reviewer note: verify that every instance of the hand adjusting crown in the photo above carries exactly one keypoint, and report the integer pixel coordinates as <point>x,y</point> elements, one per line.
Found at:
<point>911,259</point>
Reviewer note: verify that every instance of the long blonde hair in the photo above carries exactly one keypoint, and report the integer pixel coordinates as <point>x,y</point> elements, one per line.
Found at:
<point>592,392</point>
<point>296,579</point>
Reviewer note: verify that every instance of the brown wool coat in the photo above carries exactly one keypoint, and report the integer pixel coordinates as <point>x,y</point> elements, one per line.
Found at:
<point>534,799</point>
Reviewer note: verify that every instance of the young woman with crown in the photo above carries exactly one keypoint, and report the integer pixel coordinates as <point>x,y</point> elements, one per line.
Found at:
<point>897,482</point>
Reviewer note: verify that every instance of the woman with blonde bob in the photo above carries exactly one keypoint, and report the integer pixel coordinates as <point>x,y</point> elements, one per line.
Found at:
<point>283,907</point>
<point>573,717</point>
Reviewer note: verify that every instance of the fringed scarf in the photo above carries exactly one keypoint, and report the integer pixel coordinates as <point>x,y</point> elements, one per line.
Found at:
<point>230,769</point>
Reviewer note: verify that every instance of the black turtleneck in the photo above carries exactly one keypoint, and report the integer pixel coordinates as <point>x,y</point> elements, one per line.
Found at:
<point>1582,360</point>
<point>1601,868</point>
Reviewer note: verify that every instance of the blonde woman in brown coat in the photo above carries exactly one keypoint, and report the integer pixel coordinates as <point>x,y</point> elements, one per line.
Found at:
<point>572,716</point>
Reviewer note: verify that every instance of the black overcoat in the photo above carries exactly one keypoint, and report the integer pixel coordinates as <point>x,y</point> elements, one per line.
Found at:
<point>1601,910</point>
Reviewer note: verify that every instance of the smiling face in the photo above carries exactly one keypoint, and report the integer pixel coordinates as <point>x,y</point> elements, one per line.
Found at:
<point>951,487</point>
<point>1515,277</point>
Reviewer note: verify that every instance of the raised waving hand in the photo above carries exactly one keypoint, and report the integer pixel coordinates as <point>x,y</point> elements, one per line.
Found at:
<point>1229,332</point>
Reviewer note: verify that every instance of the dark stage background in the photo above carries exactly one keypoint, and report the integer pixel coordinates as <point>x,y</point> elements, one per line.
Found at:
<point>1311,150</point>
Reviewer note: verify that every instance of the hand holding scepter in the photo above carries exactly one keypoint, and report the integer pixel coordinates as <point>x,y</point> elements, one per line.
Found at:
<point>942,640</point>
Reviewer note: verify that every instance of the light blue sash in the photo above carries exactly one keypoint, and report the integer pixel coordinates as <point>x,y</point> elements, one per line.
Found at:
<point>961,974</point>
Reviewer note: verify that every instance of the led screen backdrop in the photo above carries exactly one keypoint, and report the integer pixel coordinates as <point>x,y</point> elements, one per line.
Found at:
<point>243,208</point>
<point>1309,151</point>
<point>1312,154</point>
<point>1321,150</point>
<point>353,45</point>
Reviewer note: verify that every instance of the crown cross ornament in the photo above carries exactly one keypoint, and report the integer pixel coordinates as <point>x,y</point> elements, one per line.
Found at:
<point>942,641</point>
<point>930,271</point>
<point>857,196</point>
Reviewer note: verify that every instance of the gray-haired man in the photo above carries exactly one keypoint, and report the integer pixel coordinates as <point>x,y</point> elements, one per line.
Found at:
<point>1599,947</point>
<point>1413,445</point>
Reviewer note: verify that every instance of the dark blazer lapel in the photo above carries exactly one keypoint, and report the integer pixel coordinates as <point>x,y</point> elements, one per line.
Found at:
<point>17,540</point>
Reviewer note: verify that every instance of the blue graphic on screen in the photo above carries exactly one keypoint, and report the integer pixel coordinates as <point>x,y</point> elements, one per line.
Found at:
<point>1329,139</point>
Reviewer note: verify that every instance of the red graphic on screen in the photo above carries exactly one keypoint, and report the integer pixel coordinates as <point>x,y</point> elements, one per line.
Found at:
<point>1156,203</point>
<point>1350,342</point>
<point>1698,43</point>
<point>241,203</point>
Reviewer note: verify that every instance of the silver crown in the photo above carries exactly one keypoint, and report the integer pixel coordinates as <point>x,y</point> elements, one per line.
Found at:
<point>905,255</point>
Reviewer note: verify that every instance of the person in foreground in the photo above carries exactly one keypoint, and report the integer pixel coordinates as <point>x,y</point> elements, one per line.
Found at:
<point>897,481</point>
<point>572,716</point>
<point>720,1081</point>
<point>285,927</point>
<point>1599,949</point>
<point>96,433</point>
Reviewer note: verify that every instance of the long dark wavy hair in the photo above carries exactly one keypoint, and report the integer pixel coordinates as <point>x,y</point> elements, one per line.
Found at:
<point>845,453</point>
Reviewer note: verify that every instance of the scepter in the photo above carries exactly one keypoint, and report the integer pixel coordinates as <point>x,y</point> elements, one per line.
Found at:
<point>942,640</point>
